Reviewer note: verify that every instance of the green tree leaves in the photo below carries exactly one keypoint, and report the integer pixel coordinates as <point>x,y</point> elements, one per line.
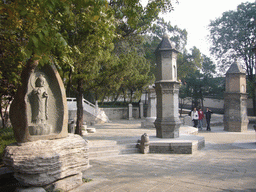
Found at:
<point>133,18</point>
<point>233,35</point>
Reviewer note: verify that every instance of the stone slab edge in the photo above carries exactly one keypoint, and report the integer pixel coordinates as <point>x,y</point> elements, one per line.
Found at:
<point>186,144</point>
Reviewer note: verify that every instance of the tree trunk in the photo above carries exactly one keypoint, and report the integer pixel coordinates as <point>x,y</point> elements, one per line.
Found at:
<point>124,96</point>
<point>69,82</point>
<point>102,100</point>
<point>116,97</point>
<point>79,102</point>
<point>4,112</point>
<point>131,96</point>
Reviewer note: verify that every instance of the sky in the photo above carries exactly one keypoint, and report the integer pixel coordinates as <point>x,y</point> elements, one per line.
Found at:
<point>195,16</point>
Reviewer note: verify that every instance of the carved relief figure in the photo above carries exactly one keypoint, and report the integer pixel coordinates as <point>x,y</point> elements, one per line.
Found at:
<point>39,107</point>
<point>39,110</point>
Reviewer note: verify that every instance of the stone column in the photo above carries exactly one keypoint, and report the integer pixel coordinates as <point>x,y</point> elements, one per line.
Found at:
<point>235,100</point>
<point>130,111</point>
<point>141,110</point>
<point>151,110</point>
<point>96,108</point>
<point>167,90</point>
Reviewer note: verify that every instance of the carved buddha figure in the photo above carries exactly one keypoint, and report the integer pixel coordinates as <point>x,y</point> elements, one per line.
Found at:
<point>39,98</point>
<point>40,95</point>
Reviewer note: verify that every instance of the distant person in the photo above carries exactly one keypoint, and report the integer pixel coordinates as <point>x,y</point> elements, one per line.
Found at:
<point>208,118</point>
<point>194,116</point>
<point>200,118</point>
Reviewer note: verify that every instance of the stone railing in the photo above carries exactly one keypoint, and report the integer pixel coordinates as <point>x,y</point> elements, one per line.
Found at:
<point>88,107</point>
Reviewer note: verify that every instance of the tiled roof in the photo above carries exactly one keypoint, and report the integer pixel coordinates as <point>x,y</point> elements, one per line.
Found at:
<point>166,44</point>
<point>235,68</point>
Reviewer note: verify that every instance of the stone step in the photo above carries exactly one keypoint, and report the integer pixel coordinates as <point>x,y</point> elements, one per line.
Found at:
<point>129,151</point>
<point>127,146</point>
<point>99,154</point>
<point>128,140</point>
<point>101,143</point>
<point>105,148</point>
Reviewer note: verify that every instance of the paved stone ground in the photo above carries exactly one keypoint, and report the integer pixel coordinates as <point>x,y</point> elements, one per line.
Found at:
<point>227,163</point>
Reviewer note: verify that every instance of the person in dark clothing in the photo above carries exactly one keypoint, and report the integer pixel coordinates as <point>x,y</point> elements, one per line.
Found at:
<point>208,118</point>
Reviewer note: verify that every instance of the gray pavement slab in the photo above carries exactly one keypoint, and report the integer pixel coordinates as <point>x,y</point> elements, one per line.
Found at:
<point>226,163</point>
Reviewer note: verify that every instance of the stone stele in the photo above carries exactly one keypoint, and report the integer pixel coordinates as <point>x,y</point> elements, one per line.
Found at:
<point>42,113</point>
<point>45,162</point>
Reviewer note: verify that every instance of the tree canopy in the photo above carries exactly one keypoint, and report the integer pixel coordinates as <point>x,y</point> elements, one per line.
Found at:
<point>233,35</point>
<point>199,83</point>
<point>77,36</point>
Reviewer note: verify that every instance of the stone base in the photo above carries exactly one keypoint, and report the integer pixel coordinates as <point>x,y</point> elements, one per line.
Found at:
<point>167,129</point>
<point>30,189</point>
<point>66,184</point>
<point>233,126</point>
<point>188,121</point>
<point>45,162</point>
<point>148,123</point>
<point>185,144</point>
<point>91,130</point>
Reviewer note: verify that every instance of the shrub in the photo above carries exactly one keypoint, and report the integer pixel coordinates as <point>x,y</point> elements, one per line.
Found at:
<point>6,138</point>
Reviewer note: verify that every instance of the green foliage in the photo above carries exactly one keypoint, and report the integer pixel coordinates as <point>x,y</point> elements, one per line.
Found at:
<point>6,138</point>
<point>11,57</point>
<point>29,30</point>
<point>177,36</point>
<point>36,24</point>
<point>89,32</point>
<point>78,37</point>
<point>117,104</point>
<point>133,18</point>
<point>233,35</point>
<point>197,85</point>
<point>208,67</point>
<point>189,62</point>
<point>138,76</point>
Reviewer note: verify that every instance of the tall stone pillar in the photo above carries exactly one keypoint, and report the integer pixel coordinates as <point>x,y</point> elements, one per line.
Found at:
<point>151,110</point>
<point>130,112</point>
<point>167,90</point>
<point>235,100</point>
<point>141,110</point>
